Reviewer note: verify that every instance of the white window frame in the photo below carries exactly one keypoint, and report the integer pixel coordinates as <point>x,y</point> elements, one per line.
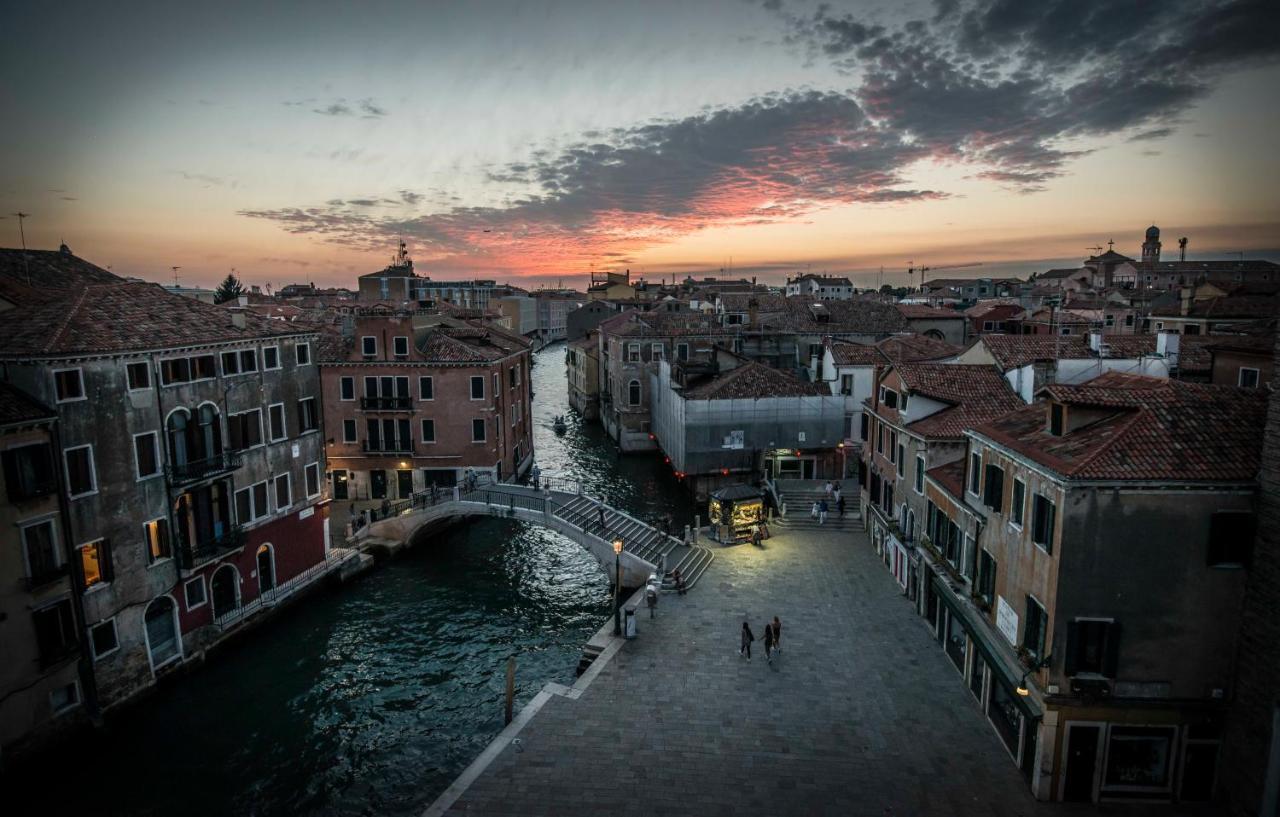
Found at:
<point>262,437</point>
<point>265,367</point>
<point>920,479</point>
<point>155,453</point>
<point>1023,515</point>
<point>633,349</point>
<point>298,348</point>
<point>1257,377</point>
<point>976,469</point>
<point>431,420</point>
<point>344,379</point>
<point>275,491</point>
<point>186,593</point>
<point>430,380</point>
<point>363,345</point>
<point>305,470</point>
<point>93,649</point>
<point>74,684</point>
<point>471,386</point>
<point>684,346</point>
<point>93,471</point>
<point>101,582</point>
<point>146,367</point>
<point>315,412</point>
<point>162,559</point>
<point>84,394</point>
<point>484,426</point>
<point>255,514</point>
<point>355,431</point>
<point>395,345</point>
<point>51,519</point>
<point>236,356</point>
<point>284,423</point>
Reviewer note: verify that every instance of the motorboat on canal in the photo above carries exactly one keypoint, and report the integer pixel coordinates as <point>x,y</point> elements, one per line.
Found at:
<point>560,426</point>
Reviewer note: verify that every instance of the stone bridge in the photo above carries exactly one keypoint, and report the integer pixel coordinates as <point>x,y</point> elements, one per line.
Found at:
<point>555,504</point>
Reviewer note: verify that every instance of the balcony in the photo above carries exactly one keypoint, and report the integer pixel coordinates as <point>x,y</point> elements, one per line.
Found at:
<point>45,577</point>
<point>196,470</point>
<point>386,403</point>
<point>193,555</point>
<point>387,447</point>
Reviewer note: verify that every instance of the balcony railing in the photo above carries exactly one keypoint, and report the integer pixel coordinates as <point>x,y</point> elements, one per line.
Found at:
<point>386,403</point>
<point>387,447</point>
<point>196,470</point>
<point>45,577</point>
<point>201,551</point>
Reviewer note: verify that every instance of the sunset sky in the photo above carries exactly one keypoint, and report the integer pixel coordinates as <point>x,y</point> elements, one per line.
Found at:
<point>520,140</point>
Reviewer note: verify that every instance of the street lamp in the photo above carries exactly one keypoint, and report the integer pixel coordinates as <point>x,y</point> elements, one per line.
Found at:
<point>1037,666</point>
<point>617,582</point>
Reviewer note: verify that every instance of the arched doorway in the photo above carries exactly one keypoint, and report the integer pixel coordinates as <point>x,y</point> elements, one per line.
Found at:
<point>266,569</point>
<point>160,624</point>
<point>225,590</point>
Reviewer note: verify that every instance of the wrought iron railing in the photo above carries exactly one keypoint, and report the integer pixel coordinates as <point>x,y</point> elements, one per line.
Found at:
<point>386,403</point>
<point>387,446</point>
<point>195,553</point>
<point>196,470</point>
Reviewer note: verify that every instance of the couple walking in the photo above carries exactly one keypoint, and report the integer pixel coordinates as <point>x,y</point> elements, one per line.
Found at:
<point>772,639</point>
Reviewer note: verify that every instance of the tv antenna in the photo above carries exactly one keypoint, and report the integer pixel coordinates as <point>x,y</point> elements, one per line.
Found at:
<point>175,276</point>
<point>23,235</point>
<point>1096,250</point>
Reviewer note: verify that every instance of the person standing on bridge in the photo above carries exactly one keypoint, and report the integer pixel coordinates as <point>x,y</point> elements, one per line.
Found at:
<point>747,638</point>
<point>600,508</point>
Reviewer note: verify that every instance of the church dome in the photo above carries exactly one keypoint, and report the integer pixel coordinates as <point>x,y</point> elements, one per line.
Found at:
<point>1153,233</point>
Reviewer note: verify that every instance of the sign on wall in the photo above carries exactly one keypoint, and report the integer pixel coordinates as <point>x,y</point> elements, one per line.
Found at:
<point>1006,620</point>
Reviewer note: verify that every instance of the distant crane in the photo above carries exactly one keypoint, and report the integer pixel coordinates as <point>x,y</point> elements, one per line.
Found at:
<point>913,269</point>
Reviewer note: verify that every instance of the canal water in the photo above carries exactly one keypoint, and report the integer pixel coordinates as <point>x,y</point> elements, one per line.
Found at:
<point>370,698</point>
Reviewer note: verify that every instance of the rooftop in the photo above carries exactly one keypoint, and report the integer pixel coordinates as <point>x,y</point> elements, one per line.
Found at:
<point>950,477</point>
<point>1148,429</point>
<point>16,407</point>
<point>975,392</point>
<point>753,381</point>
<point>1229,306</point>
<point>922,312</point>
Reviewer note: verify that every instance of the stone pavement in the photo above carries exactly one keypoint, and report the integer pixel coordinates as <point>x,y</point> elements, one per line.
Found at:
<point>861,715</point>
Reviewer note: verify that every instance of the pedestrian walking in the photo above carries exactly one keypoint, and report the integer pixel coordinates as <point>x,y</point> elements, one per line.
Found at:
<point>836,492</point>
<point>840,506</point>
<point>814,511</point>
<point>768,642</point>
<point>836,487</point>
<point>822,512</point>
<point>600,508</point>
<point>755,535</point>
<point>651,598</point>
<point>777,635</point>
<point>747,638</point>
<point>829,488</point>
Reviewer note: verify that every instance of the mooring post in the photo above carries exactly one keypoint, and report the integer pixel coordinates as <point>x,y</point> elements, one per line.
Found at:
<point>511,686</point>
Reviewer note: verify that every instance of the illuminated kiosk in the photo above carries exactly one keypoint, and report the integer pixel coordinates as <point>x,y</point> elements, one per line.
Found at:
<point>733,510</point>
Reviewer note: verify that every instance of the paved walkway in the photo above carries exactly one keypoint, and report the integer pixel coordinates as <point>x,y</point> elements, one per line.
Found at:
<point>862,715</point>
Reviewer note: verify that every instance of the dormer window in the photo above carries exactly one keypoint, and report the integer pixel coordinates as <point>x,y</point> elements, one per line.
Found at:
<point>1057,419</point>
<point>888,398</point>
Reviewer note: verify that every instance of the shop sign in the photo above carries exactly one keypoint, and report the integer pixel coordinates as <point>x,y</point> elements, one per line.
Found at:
<point>1006,620</point>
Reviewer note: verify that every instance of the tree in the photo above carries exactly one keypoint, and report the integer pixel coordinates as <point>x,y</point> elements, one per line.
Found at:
<point>228,290</point>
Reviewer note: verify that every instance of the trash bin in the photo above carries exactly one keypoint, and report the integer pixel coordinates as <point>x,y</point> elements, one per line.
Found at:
<point>629,622</point>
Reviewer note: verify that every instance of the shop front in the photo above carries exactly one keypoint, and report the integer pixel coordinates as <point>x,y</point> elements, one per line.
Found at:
<point>734,511</point>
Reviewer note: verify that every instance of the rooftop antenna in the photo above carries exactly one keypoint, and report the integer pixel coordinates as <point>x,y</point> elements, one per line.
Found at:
<point>1182,248</point>
<point>175,276</point>
<point>22,233</point>
<point>1095,250</point>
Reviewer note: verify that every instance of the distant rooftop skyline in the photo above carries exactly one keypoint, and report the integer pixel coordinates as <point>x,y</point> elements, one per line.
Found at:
<point>530,142</point>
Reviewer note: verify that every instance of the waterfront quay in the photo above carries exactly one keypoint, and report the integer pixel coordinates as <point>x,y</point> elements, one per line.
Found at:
<point>861,714</point>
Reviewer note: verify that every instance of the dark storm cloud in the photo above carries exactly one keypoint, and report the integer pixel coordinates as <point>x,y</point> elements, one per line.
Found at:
<point>366,108</point>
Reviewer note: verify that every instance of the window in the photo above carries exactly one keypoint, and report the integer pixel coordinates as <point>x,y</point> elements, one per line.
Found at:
<point>477,431</point>
<point>307,420</point>
<point>633,393</point>
<point>138,375</point>
<point>655,351</point>
<point>302,353</point>
<point>239,362</point>
<point>312,475</point>
<point>888,397</point>
<point>103,639</point>
<point>1231,535</point>
<point>1017,502</point>
<point>1141,758</point>
<point>369,346</point>
<point>156,534</point>
<point>81,477</point>
<point>194,592</point>
<point>245,429</point>
<point>428,431</point>
<point>682,351</point>
<point>69,385</point>
<point>1248,378</point>
<point>477,388</point>
<point>426,388</point>
<point>993,496</point>
<point>902,459</point>
<point>986,577</point>
<point>348,431</point>
<point>284,492</point>
<point>1056,419</point>
<point>1128,320</point>
<point>975,473</point>
<point>919,474</point>
<point>251,503</point>
<point>1093,647</point>
<point>275,420</point>
<point>400,345</point>
<point>146,462</point>
<point>880,438</point>
<point>40,547</point>
<point>865,424</point>
<point>633,353</point>
<point>1042,513</point>
<point>187,369</point>
<point>1033,631</point>
<point>347,388</point>
<point>893,446</point>
<point>95,561</point>
<point>271,357</point>
<point>55,632</point>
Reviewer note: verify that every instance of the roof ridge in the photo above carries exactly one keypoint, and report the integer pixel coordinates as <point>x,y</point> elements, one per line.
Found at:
<point>67,316</point>
<point>1125,425</point>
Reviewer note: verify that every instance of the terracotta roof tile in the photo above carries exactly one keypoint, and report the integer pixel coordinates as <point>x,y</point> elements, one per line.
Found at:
<point>18,407</point>
<point>753,381</point>
<point>950,477</point>
<point>975,392</point>
<point>922,312</point>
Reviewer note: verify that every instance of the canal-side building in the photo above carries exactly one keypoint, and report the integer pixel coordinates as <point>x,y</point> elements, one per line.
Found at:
<point>554,306</point>
<point>46,684</point>
<point>192,461</point>
<point>582,367</point>
<point>1040,561</point>
<point>413,397</point>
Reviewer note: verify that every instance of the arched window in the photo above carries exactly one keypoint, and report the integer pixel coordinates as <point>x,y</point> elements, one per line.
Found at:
<point>266,569</point>
<point>225,590</point>
<point>161,630</point>
<point>210,432</point>
<point>633,393</point>
<point>910,528</point>
<point>177,430</point>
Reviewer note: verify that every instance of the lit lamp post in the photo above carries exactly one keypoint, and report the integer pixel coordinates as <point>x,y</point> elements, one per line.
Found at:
<point>844,467</point>
<point>617,582</point>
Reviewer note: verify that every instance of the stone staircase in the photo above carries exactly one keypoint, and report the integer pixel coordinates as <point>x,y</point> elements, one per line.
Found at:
<point>691,561</point>
<point>799,497</point>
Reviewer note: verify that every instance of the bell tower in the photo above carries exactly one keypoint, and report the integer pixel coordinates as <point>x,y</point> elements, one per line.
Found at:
<point>1151,247</point>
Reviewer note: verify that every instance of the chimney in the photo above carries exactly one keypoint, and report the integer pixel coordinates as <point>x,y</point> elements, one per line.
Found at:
<point>753,313</point>
<point>1187,294</point>
<point>1167,345</point>
<point>237,319</point>
<point>1095,340</point>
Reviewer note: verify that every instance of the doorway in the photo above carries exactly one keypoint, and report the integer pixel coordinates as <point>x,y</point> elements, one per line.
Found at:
<point>340,484</point>
<point>378,484</point>
<point>225,589</point>
<point>1082,763</point>
<point>404,484</point>
<point>266,569</point>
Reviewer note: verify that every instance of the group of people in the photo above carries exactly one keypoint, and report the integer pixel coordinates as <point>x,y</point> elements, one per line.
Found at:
<point>823,506</point>
<point>772,639</point>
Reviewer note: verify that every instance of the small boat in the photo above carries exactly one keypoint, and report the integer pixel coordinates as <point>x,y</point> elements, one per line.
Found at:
<point>560,426</point>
